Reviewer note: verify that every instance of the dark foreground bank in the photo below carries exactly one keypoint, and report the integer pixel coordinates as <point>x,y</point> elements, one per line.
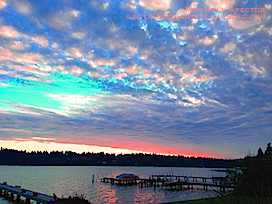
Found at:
<point>230,199</point>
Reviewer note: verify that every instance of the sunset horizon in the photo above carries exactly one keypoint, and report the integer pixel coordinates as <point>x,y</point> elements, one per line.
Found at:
<point>40,145</point>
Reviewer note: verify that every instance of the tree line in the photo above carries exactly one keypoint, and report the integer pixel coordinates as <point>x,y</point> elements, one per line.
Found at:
<point>16,157</point>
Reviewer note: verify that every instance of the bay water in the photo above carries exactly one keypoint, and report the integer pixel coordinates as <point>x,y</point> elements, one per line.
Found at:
<point>71,180</point>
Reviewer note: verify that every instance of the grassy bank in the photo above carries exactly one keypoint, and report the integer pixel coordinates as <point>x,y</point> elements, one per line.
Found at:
<point>230,200</point>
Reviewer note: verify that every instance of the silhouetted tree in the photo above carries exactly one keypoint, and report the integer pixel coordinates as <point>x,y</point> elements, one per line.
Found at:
<point>268,150</point>
<point>257,178</point>
<point>260,153</point>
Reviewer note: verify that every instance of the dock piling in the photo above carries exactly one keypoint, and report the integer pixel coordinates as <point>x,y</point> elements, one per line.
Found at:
<point>18,198</point>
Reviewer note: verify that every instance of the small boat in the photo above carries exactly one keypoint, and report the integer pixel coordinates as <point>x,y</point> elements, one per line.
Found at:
<point>127,177</point>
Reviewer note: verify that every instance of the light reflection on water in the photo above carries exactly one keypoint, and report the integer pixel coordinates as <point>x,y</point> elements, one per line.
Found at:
<point>68,180</point>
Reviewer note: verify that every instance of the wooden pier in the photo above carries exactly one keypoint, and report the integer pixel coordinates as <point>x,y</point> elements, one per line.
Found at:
<point>187,178</point>
<point>190,185</point>
<point>175,182</point>
<point>9,192</point>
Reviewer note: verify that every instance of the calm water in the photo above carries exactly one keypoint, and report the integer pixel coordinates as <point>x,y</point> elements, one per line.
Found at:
<point>68,180</point>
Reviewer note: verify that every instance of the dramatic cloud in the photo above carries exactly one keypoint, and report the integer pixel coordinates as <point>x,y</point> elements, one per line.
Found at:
<point>82,73</point>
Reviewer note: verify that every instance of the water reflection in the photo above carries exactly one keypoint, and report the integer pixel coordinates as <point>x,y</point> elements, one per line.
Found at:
<point>150,197</point>
<point>68,180</point>
<point>106,194</point>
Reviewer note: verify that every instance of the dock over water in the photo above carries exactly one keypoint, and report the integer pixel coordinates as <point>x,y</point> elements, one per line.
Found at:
<point>175,182</point>
<point>10,192</point>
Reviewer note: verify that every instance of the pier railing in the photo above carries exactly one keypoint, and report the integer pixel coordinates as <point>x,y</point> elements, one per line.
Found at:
<point>10,192</point>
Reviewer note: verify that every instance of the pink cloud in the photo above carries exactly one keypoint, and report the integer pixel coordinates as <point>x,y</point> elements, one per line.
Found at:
<point>207,41</point>
<point>94,74</point>
<point>30,69</point>
<point>74,52</point>
<point>41,41</point>
<point>8,31</point>
<point>242,24</point>
<point>130,70</point>
<point>3,72</point>
<point>203,78</point>
<point>29,58</point>
<point>18,45</point>
<point>225,4</point>
<point>227,47</point>
<point>5,54</point>
<point>2,4</point>
<point>183,11</point>
<point>129,51</point>
<point>76,71</point>
<point>156,4</point>
<point>79,35</point>
<point>146,73</point>
<point>101,62</point>
<point>190,74</point>
<point>120,76</point>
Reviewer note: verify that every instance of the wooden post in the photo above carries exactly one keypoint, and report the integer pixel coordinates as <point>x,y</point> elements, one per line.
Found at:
<point>18,199</point>
<point>11,196</point>
<point>5,194</point>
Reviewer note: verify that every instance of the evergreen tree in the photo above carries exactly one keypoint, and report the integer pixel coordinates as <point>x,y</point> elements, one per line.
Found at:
<point>260,153</point>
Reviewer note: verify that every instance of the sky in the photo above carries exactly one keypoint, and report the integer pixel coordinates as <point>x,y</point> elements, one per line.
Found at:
<point>115,76</point>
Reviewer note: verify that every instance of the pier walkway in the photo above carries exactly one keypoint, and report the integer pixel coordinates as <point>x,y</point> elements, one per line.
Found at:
<point>187,178</point>
<point>180,182</point>
<point>10,192</point>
